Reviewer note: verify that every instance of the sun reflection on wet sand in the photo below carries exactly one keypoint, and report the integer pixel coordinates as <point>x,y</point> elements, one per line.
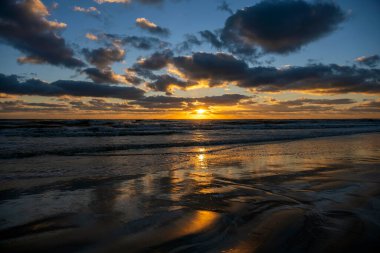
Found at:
<point>202,174</point>
<point>201,220</point>
<point>189,224</point>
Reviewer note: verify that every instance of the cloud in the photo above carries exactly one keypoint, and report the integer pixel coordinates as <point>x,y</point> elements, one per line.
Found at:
<point>182,102</point>
<point>313,107</point>
<point>108,76</point>
<point>156,61</point>
<point>145,43</point>
<point>24,25</point>
<point>273,109</point>
<point>212,38</point>
<point>369,61</point>
<point>167,83</point>
<point>30,60</point>
<point>91,36</point>
<point>151,27</point>
<point>223,100</point>
<point>91,10</point>
<point>104,76</point>
<point>22,106</point>
<point>34,87</point>
<point>190,41</point>
<point>113,1</point>
<point>99,105</point>
<point>368,106</point>
<point>280,26</point>
<point>225,7</point>
<point>218,68</point>
<point>103,57</point>
<point>129,1</point>
<point>71,105</point>
<point>161,102</point>
<point>221,67</point>
<point>316,78</point>
<point>7,96</point>
<point>150,1</point>
<point>303,101</point>
<point>138,42</point>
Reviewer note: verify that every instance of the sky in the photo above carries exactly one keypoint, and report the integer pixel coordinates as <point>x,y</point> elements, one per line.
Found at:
<point>189,59</point>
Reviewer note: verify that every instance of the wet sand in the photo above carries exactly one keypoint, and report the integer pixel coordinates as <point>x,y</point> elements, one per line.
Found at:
<point>312,195</point>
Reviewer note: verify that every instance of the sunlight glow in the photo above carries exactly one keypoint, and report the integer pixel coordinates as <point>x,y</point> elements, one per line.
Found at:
<point>200,111</point>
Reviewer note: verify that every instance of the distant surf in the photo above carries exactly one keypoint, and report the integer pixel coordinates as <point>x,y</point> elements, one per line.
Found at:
<point>27,138</point>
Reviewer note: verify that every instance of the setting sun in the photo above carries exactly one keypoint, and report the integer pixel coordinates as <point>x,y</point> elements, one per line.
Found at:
<point>200,111</point>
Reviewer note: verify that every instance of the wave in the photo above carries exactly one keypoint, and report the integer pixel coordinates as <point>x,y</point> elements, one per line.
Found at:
<point>108,128</point>
<point>264,137</point>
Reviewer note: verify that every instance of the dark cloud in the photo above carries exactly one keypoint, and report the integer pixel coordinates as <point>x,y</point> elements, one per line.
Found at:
<point>129,1</point>
<point>102,76</point>
<point>212,38</point>
<point>317,78</point>
<point>156,61</point>
<point>95,105</point>
<point>190,41</point>
<point>243,51</point>
<point>181,102</point>
<point>219,67</point>
<point>315,107</point>
<point>280,108</point>
<point>161,102</point>
<point>25,27</point>
<point>99,105</point>
<point>303,101</point>
<point>225,7</point>
<point>34,87</point>
<point>108,76</point>
<point>280,26</point>
<point>150,1</point>
<point>369,61</point>
<point>368,106</point>
<point>22,106</point>
<point>225,99</point>
<point>167,83</point>
<point>103,57</point>
<point>151,27</point>
<point>145,43</point>
<point>146,2</point>
<point>138,42</point>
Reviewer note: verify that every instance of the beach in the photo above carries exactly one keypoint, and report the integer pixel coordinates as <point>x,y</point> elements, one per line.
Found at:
<point>319,194</point>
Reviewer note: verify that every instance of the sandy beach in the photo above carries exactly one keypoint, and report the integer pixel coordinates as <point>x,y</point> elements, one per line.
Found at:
<point>311,195</point>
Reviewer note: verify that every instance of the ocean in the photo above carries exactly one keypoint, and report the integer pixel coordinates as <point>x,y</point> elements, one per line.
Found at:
<point>189,186</point>
<point>27,138</point>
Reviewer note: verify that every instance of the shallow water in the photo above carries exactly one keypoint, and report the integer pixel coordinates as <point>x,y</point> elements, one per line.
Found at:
<point>311,195</point>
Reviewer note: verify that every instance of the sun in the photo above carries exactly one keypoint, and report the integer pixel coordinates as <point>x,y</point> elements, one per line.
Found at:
<point>200,111</point>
